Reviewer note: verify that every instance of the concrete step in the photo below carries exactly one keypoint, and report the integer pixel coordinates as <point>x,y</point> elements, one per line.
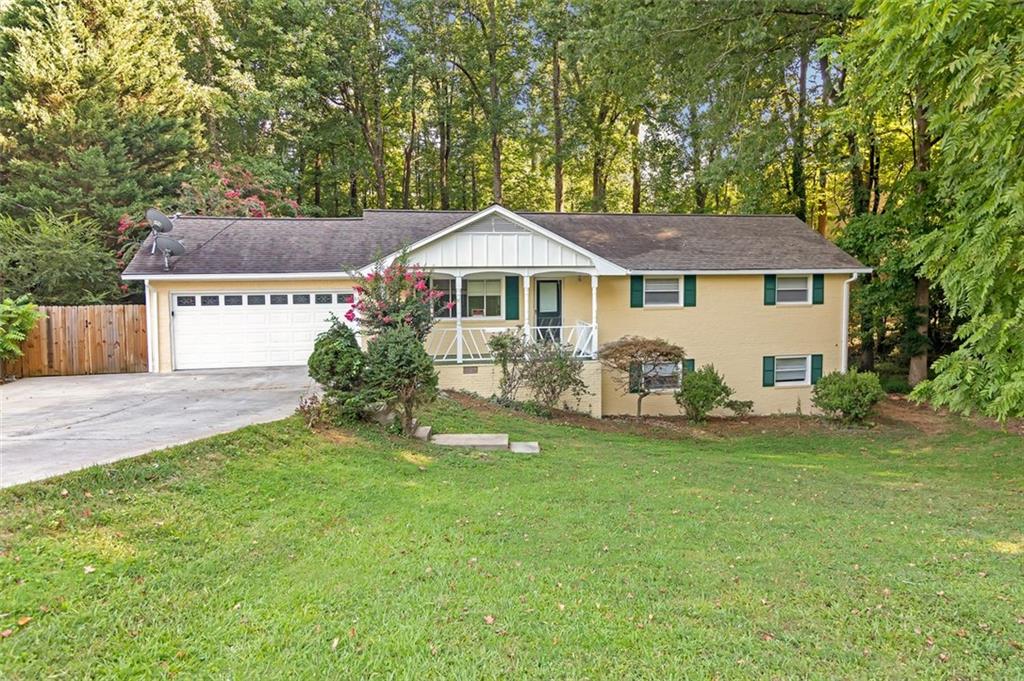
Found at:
<point>481,441</point>
<point>524,447</point>
<point>423,433</point>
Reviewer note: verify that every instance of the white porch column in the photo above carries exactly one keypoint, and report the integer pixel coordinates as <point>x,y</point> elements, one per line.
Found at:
<point>458,318</point>
<point>593,315</point>
<point>527,305</point>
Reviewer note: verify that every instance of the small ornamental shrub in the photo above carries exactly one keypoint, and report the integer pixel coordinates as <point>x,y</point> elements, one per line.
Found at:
<point>635,363</point>
<point>551,372</point>
<point>397,295</point>
<point>704,390</point>
<point>18,316</point>
<point>509,352</point>
<point>399,373</point>
<point>847,397</point>
<point>337,363</point>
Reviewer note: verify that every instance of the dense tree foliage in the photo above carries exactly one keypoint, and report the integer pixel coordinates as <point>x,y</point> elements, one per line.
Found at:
<point>890,125</point>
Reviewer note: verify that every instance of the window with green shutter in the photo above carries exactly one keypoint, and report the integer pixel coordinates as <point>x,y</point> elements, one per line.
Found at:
<point>816,362</point>
<point>689,364</point>
<point>636,291</point>
<point>690,290</point>
<point>768,372</point>
<point>636,377</point>
<point>818,289</point>
<point>512,297</point>
<point>769,290</point>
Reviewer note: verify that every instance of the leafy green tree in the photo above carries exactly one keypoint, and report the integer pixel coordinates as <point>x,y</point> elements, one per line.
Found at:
<point>400,373</point>
<point>97,115</point>
<point>58,259</point>
<point>17,317</point>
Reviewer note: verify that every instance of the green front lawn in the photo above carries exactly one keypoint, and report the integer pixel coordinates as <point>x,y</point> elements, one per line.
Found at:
<point>273,551</point>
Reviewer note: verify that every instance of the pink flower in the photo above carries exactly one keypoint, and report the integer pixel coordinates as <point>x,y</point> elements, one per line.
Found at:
<point>371,276</point>
<point>449,305</point>
<point>420,285</point>
<point>357,289</point>
<point>351,314</point>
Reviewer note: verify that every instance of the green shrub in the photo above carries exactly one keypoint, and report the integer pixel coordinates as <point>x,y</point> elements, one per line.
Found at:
<point>847,397</point>
<point>337,363</point>
<point>551,371</point>
<point>509,352</point>
<point>701,391</point>
<point>17,318</point>
<point>399,373</point>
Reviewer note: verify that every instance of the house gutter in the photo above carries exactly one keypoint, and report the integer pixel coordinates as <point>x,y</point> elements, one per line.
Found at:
<point>844,354</point>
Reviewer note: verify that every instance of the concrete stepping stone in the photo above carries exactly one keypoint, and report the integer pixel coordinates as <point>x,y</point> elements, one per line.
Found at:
<point>524,447</point>
<point>481,441</point>
<point>422,433</point>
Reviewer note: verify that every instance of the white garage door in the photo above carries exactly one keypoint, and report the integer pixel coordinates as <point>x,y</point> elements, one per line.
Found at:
<point>251,329</point>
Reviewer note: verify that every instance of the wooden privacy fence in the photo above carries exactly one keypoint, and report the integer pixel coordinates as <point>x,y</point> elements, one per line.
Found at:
<point>84,339</point>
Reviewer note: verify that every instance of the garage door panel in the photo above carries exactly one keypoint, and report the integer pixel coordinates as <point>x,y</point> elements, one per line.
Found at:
<point>221,335</point>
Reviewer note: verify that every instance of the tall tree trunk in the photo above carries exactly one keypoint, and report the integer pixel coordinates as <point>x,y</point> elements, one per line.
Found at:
<point>556,108</point>
<point>353,194</point>
<point>494,93</point>
<point>922,161</point>
<point>798,181</point>
<point>407,156</point>
<point>700,190</point>
<point>597,188</point>
<point>317,176</point>
<point>444,147</point>
<point>634,133</point>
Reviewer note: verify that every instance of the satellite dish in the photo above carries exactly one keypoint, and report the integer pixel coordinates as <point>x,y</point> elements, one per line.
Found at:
<point>169,247</point>
<point>159,222</point>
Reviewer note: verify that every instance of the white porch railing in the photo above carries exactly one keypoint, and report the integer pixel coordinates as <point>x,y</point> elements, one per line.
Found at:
<point>445,345</point>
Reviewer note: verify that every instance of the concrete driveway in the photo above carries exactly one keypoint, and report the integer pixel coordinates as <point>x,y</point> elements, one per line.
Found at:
<point>58,424</point>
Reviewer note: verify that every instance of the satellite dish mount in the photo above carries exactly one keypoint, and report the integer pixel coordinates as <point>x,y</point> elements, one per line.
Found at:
<point>168,246</point>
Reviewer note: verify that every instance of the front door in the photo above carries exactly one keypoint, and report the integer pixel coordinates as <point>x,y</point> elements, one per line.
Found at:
<point>549,310</point>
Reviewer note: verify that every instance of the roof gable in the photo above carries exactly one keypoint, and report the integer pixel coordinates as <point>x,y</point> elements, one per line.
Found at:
<point>496,238</point>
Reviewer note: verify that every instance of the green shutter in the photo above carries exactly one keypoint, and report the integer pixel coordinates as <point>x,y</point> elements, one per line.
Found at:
<point>636,291</point>
<point>690,366</point>
<point>815,368</point>
<point>768,372</point>
<point>635,377</point>
<point>769,289</point>
<point>818,289</point>
<point>512,297</point>
<point>690,290</point>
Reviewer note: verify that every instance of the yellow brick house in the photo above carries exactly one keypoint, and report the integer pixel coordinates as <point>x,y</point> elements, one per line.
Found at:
<point>762,297</point>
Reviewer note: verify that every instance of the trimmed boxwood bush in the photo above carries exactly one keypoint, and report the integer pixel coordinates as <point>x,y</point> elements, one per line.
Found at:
<point>847,397</point>
<point>704,390</point>
<point>337,363</point>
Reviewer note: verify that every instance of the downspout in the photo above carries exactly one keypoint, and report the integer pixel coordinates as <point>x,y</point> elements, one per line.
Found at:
<point>152,332</point>
<point>844,354</point>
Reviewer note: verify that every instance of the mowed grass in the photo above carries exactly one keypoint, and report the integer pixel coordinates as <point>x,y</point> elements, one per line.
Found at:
<point>277,552</point>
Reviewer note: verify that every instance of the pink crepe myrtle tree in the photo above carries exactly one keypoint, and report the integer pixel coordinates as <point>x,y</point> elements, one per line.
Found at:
<point>396,295</point>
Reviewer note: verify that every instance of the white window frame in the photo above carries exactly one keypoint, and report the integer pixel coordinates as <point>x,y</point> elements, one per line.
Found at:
<point>465,295</point>
<point>679,378</point>
<point>786,384</point>
<point>807,281</point>
<point>679,291</point>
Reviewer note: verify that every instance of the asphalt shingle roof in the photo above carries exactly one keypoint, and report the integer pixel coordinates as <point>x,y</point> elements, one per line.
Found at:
<point>634,241</point>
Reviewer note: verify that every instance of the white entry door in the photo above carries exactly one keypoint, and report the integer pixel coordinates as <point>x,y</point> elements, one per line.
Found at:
<point>251,329</point>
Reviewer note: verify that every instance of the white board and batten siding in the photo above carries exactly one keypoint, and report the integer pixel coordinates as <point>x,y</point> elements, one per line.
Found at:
<point>496,242</point>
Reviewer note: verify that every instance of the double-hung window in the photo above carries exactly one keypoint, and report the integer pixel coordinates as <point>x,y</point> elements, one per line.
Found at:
<point>664,376</point>
<point>480,297</point>
<point>792,370</point>
<point>792,290</point>
<point>661,291</point>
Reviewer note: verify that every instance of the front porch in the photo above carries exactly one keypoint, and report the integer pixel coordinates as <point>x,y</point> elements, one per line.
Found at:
<point>545,307</point>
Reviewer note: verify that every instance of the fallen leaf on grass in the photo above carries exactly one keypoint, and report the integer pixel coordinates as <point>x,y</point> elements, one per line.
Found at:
<point>89,569</point>
<point>24,620</point>
<point>352,632</point>
<point>334,644</point>
<point>944,657</point>
<point>64,493</point>
<point>6,632</point>
<point>766,636</point>
<point>488,619</point>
